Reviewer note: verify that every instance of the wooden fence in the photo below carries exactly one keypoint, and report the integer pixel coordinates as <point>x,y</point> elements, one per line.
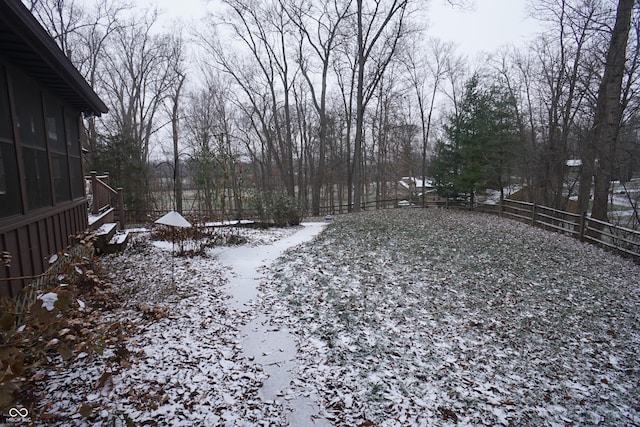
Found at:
<point>621,240</point>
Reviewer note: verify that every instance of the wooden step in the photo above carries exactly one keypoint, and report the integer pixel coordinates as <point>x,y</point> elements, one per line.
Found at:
<point>104,235</point>
<point>104,217</point>
<point>118,242</point>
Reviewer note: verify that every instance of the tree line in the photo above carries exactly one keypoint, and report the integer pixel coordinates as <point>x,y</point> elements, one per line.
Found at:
<point>331,103</point>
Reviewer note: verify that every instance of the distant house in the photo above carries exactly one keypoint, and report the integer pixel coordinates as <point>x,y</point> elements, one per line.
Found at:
<point>42,102</point>
<point>414,188</point>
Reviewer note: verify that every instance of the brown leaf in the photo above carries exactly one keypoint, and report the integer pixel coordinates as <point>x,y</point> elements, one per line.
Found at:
<point>63,301</point>
<point>7,322</point>
<point>17,366</point>
<point>41,314</point>
<point>65,352</point>
<point>103,379</point>
<point>6,394</point>
<point>447,414</point>
<point>85,410</point>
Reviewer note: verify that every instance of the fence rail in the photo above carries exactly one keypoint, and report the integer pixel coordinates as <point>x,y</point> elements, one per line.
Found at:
<point>622,240</point>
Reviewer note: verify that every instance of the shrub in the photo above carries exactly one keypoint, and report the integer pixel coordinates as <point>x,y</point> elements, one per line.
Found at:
<point>284,210</point>
<point>277,208</point>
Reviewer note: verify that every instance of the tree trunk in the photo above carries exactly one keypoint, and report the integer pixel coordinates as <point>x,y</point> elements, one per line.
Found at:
<point>357,151</point>
<point>175,130</point>
<point>609,109</point>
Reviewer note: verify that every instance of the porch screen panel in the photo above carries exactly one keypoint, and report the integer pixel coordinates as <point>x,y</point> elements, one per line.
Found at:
<point>6,131</point>
<point>75,153</point>
<point>36,164</point>
<point>55,125</point>
<point>58,147</point>
<point>29,112</point>
<point>31,135</point>
<point>10,200</point>
<point>60,172</point>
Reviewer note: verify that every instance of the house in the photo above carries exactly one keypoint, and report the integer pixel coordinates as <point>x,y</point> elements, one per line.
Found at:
<point>415,188</point>
<point>42,102</point>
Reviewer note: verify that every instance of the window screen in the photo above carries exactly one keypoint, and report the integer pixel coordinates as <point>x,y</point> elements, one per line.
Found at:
<point>60,172</point>
<point>55,125</point>
<point>37,178</point>
<point>77,179</point>
<point>6,132</point>
<point>10,201</point>
<point>28,112</point>
<point>73,136</point>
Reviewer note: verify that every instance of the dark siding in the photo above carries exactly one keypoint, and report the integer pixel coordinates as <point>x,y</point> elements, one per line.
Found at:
<point>14,270</point>
<point>32,243</point>
<point>38,221</point>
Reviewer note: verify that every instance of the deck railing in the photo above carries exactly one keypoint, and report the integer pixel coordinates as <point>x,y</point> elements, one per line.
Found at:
<point>105,197</point>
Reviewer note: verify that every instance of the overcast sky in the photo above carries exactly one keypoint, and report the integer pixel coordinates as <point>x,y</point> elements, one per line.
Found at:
<point>485,26</point>
<point>488,25</point>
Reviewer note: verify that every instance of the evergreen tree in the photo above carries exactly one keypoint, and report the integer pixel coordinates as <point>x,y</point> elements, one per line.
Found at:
<point>481,137</point>
<point>121,158</point>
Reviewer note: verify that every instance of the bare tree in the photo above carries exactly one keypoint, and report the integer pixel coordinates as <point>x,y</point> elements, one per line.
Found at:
<point>345,68</point>
<point>82,31</point>
<point>265,77</point>
<point>380,25</point>
<point>425,73</point>
<point>175,95</point>
<point>562,88</point>
<point>609,109</point>
<point>63,19</point>
<point>205,125</point>
<point>138,78</point>
<point>320,26</point>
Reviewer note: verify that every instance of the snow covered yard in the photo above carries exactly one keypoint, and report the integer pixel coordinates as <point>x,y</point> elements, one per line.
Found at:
<point>432,317</point>
<point>178,359</point>
<point>402,318</point>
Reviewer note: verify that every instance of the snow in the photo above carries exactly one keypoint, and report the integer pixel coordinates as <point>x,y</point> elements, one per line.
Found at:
<point>106,228</point>
<point>48,300</point>
<point>271,347</point>
<point>229,223</point>
<point>496,323</point>
<point>457,319</point>
<point>119,238</point>
<point>173,219</point>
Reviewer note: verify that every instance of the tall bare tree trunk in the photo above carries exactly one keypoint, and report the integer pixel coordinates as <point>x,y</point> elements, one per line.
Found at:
<point>175,133</point>
<point>609,109</point>
<point>357,151</point>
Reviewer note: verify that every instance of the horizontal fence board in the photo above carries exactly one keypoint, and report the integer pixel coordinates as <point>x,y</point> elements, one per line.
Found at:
<point>619,239</point>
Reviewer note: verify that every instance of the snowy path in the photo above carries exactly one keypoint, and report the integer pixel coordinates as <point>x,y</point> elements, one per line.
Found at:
<point>270,346</point>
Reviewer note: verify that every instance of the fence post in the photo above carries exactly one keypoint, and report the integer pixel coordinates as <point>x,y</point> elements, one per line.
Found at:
<point>583,225</point>
<point>121,217</point>
<point>95,209</point>
<point>533,214</point>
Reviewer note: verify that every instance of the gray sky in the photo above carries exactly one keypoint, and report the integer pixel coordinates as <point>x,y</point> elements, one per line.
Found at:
<point>488,25</point>
<point>485,26</point>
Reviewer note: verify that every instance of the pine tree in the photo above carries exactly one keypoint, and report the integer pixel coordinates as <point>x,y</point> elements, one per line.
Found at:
<point>478,151</point>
